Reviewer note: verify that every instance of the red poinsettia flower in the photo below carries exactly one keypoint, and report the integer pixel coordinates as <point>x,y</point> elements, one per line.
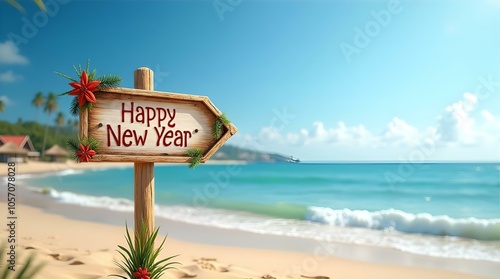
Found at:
<point>141,273</point>
<point>85,153</point>
<point>84,90</point>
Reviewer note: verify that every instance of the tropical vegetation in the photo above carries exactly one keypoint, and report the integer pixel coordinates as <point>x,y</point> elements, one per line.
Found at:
<point>26,271</point>
<point>36,131</point>
<point>139,259</point>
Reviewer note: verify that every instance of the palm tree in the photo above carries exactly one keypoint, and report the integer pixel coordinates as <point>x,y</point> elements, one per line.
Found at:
<point>2,106</point>
<point>73,124</point>
<point>20,7</point>
<point>49,107</point>
<point>38,101</point>
<point>76,124</point>
<point>59,122</point>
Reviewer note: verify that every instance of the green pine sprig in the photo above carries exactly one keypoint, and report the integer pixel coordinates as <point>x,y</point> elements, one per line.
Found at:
<point>196,157</point>
<point>74,107</point>
<point>74,145</point>
<point>94,144</point>
<point>65,76</point>
<point>107,81</point>
<point>219,124</point>
<point>141,253</point>
<point>78,71</point>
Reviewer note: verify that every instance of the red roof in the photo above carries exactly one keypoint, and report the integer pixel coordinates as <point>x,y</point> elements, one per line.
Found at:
<point>17,140</point>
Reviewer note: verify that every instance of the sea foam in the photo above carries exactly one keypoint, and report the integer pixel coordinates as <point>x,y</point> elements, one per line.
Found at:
<point>423,223</point>
<point>58,173</point>
<point>325,224</point>
<point>116,204</point>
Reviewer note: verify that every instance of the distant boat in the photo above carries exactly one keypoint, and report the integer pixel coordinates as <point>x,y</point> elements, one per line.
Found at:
<point>293,160</point>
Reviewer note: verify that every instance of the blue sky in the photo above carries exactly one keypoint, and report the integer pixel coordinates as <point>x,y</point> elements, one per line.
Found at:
<point>320,80</point>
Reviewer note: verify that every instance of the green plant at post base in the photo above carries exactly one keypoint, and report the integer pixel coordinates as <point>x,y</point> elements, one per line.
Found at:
<point>27,271</point>
<point>219,124</point>
<point>196,156</point>
<point>139,258</point>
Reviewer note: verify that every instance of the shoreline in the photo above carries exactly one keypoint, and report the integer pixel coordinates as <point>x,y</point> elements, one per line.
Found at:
<point>84,249</point>
<point>234,240</point>
<point>39,167</point>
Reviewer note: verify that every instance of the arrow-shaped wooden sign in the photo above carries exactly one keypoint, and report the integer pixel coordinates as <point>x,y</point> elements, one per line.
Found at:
<point>133,125</point>
<point>145,126</point>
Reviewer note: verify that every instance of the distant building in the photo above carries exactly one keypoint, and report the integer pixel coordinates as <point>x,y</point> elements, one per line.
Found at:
<point>23,142</point>
<point>57,154</point>
<point>10,152</point>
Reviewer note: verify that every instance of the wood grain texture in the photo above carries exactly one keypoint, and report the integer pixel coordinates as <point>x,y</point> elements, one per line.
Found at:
<point>84,124</point>
<point>144,186</point>
<point>229,131</point>
<point>194,115</point>
<point>130,158</point>
<point>159,94</point>
<point>144,195</point>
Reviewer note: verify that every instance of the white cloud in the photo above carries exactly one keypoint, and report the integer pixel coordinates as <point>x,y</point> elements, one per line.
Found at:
<point>319,134</point>
<point>9,76</point>
<point>458,126</point>
<point>490,128</point>
<point>9,54</point>
<point>398,133</point>
<point>487,115</point>
<point>6,100</point>
<point>269,134</point>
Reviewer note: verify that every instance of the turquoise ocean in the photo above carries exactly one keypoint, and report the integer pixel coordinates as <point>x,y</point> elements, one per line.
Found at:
<point>435,209</point>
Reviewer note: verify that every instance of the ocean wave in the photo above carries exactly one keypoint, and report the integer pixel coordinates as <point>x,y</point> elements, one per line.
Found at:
<point>351,226</point>
<point>423,223</point>
<point>384,220</point>
<point>279,210</point>
<point>55,173</point>
<point>117,204</point>
<point>290,180</point>
<point>69,172</point>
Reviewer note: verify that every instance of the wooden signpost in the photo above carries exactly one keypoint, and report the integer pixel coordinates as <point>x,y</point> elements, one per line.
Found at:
<point>145,126</point>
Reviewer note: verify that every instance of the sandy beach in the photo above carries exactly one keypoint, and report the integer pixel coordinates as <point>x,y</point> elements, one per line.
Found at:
<point>77,242</point>
<point>81,249</point>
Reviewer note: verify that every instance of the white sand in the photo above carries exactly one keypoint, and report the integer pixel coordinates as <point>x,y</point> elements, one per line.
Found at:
<point>86,250</point>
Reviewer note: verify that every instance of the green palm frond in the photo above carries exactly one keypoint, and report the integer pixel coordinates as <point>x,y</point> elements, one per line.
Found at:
<point>16,5</point>
<point>40,5</point>
<point>20,7</point>
<point>141,253</point>
<point>27,271</point>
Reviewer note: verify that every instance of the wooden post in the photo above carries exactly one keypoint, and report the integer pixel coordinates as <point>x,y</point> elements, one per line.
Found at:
<point>144,172</point>
<point>84,127</point>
